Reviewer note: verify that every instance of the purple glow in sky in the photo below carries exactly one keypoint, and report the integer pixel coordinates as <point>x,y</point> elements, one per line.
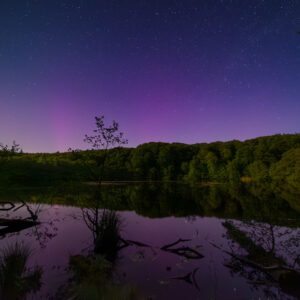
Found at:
<point>172,71</point>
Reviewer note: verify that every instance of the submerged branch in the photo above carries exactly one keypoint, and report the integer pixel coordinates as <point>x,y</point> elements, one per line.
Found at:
<point>190,278</point>
<point>173,244</point>
<point>187,252</point>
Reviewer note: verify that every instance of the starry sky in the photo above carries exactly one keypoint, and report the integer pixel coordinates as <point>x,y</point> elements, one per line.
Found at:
<point>167,70</point>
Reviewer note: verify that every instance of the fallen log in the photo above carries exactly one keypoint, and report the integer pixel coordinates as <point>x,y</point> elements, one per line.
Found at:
<point>15,225</point>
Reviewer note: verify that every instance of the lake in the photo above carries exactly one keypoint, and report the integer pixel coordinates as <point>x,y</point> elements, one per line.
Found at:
<point>174,241</point>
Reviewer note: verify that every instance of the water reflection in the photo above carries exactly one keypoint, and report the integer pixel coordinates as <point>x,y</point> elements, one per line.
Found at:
<point>22,215</point>
<point>93,273</point>
<point>105,226</point>
<point>240,201</point>
<point>15,225</point>
<point>259,202</point>
<point>185,241</point>
<point>266,255</point>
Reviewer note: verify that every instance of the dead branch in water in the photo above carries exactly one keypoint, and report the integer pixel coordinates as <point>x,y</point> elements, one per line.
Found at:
<point>190,278</point>
<point>187,252</point>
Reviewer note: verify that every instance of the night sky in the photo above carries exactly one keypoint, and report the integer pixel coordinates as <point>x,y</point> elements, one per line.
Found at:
<point>172,71</point>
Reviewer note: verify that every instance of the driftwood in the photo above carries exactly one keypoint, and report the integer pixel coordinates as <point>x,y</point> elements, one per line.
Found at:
<point>127,243</point>
<point>15,225</point>
<point>186,252</point>
<point>173,244</point>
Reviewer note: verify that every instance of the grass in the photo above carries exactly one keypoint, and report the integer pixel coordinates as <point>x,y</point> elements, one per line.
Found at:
<point>107,239</point>
<point>15,278</point>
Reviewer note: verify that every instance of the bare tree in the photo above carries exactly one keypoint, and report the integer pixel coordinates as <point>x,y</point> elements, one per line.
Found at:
<point>105,138</point>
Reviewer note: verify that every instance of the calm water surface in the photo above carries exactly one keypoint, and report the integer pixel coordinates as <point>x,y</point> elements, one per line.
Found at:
<point>154,216</point>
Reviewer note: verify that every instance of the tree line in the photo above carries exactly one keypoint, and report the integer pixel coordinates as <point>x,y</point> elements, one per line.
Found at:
<point>268,158</point>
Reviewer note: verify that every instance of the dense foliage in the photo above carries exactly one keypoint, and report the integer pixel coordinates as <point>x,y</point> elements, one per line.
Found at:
<point>267,158</point>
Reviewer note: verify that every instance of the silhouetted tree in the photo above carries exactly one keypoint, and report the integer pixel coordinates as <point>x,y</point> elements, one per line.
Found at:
<point>15,148</point>
<point>105,138</point>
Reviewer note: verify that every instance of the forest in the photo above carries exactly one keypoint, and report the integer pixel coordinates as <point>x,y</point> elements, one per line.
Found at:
<point>273,158</point>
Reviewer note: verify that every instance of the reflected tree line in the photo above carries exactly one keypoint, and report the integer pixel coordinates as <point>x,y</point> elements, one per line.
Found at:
<point>239,201</point>
<point>264,251</point>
